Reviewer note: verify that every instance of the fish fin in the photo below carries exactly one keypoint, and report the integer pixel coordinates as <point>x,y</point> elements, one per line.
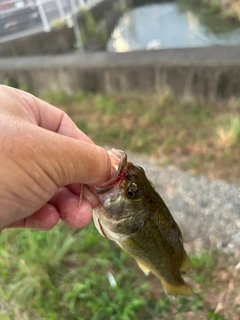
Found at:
<point>152,184</point>
<point>180,290</point>
<point>185,266</point>
<point>143,268</point>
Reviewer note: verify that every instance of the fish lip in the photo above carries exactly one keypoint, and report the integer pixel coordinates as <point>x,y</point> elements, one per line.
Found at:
<point>119,175</point>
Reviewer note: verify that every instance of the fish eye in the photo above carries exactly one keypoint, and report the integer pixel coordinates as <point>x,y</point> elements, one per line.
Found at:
<point>130,193</point>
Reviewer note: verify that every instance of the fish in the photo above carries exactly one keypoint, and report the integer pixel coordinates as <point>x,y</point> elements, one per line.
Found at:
<point>133,214</point>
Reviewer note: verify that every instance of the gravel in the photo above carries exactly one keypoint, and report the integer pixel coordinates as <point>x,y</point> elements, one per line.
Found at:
<point>207,211</point>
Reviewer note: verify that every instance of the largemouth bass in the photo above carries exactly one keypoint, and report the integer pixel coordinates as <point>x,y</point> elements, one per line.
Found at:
<point>134,215</point>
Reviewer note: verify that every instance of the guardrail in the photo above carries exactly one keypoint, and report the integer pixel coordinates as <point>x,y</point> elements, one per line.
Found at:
<point>19,18</point>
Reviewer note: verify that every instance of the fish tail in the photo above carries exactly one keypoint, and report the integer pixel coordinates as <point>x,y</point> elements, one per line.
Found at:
<point>179,290</point>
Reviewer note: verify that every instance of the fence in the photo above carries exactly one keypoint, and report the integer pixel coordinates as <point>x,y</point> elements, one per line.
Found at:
<point>19,18</point>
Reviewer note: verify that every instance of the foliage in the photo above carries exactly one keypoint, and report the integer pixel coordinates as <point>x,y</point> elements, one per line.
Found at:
<point>214,316</point>
<point>227,8</point>
<point>92,30</point>
<point>58,23</point>
<point>228,131</point>
<point>65,274</point>
<point>210,14</point>
<point>13,83</point>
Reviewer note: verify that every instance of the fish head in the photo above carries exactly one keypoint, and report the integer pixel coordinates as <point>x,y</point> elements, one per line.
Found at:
<point>124,198</point>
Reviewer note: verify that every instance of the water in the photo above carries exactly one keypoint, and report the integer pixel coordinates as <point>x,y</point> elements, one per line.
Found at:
<point>167,25</point>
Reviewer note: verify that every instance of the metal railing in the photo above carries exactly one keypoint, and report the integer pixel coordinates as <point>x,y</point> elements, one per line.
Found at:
<point>19,18</point>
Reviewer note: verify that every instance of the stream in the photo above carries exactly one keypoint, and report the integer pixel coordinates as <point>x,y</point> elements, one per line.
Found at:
<point>170,25</point>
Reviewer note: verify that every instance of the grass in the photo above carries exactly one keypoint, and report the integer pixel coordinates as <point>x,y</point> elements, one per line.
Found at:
<point>228,131</point>
<point>64,274</point>
<point>77,274</point>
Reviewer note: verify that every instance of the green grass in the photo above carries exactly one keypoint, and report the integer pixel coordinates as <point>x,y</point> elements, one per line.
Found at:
<point>63,274</point>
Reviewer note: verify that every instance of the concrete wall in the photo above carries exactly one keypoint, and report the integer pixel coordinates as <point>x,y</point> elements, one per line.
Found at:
<point>202,74</point>
<point>57,41</point>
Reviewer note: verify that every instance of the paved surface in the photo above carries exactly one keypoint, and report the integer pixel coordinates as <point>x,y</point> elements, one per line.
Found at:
<point>208,212</point>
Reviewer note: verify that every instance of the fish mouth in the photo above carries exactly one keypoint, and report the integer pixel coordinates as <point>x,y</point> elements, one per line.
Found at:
<point>119,162</point>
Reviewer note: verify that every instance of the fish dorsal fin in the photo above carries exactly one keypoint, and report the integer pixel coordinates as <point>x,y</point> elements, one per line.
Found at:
<point>185,266</point>
<point>143,268</point>
<point>152,184</point>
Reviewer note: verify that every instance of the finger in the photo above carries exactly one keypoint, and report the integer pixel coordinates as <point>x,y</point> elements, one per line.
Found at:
<point>81,162</point>
<point>53,158</point>
<point>67,204</point>
<point>44,219</point>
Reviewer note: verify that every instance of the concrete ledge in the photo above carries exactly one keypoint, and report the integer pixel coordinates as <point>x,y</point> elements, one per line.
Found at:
<point>200,74</point>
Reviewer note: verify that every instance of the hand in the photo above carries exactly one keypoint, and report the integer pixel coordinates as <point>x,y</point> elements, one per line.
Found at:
<point>44,158</point>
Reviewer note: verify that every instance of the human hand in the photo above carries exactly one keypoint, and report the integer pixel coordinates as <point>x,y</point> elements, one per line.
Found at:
<point>44,160</point>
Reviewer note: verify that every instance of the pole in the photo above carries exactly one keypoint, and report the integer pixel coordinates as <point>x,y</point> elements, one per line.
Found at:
<point>43,16</point>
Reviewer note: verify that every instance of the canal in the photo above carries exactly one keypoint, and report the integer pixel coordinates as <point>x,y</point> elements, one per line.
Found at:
<point>172,24</point>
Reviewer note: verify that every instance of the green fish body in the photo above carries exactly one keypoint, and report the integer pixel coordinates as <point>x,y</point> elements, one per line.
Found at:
<point>134,215</point>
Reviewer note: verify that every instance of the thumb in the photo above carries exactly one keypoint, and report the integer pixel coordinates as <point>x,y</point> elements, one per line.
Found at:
<point>66,160</point>
<point>74,161</point>
<point>49,160</point>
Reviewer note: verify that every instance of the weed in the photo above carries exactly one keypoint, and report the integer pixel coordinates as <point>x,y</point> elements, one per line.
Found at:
<point>78,96</point>
<point>89,21</point>
<point>194,305</point>
<point>228,131</point>
<point>214,316</point>
<point>162,306</point>
<point>214,5</point>
<point>203,266</point>
<point>64,273</point>
<point>57,98</point>
<point>105,104</point>
<point>58,23</point>
<point>15,84</point>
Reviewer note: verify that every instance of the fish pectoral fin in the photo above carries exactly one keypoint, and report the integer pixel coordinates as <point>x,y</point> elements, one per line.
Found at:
<point>185,266</point>
<point>178,290</point>
<point>143,268</point>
